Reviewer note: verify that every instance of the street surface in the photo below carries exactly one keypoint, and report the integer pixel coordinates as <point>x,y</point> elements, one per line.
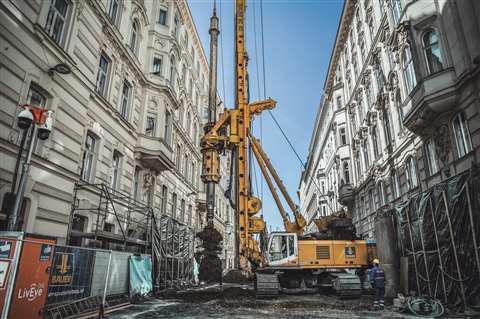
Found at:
<point>245,307</point>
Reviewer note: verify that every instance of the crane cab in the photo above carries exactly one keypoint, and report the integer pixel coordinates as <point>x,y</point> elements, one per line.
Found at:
<point>282,249</point>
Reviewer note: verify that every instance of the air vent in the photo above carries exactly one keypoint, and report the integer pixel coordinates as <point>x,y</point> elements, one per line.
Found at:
<point>323,252</point>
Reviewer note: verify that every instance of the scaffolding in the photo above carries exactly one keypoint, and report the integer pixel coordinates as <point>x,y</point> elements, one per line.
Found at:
<point>438,233</point>
<point>103,217</point>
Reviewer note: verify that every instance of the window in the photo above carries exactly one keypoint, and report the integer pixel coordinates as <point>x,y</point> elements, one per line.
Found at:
<point>195,134</point>
<point>397,10</point>
<point>346,172</point>
<point>134,37</point>
<point>380,194</point>
<point>366,157</point>
<point>185,165</point>
<point>368,95</point>
<point>379,75</point>
<point>167,129</point>
<point>115,169</point>
<point>370,200</point>
<point>388,127</point>
<point>136,182</point>
<point>432,52</point>
<point>164,199</point>
<point>125,100</point>
<point>150,125</point>
<point>57,14</point>
<point>375,142</point>
<point>339,102</point>
<point>411,172</point>
<point>157,66</point>
<point>357,167</point>
<point>35,97</point>
<point>88,157</point>
<point>343,136</point>
<point>178,157</point>
<point>395,185</point>
<point>113,11</point>
<point>408,69</point>
<point>162,17</point>
<point>102,75</point>
<point>371,29</point>
<point>462,135</point>
<point>174,205</point>
<point>182,210</point>
<point>431,157</point>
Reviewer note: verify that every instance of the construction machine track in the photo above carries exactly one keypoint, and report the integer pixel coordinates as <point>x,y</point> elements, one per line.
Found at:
<point>267,285</point>
<point>347,285</point>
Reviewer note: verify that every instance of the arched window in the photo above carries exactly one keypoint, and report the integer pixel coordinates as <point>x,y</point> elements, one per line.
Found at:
<point>346,173</point>
<point>432,51</point>
<point>411,172</point>
<point>408,69</point>
<point>134,37</point>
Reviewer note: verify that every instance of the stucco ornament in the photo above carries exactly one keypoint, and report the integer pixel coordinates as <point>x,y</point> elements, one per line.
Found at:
<point>443,144</point>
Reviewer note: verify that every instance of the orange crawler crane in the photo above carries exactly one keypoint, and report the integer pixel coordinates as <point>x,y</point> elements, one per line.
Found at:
<point>290,260</point>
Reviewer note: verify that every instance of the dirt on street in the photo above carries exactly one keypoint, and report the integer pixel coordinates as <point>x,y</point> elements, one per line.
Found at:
<point>239,302</point>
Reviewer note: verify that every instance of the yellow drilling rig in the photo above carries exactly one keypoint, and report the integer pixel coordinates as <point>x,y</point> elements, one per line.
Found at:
<point>288,260</point>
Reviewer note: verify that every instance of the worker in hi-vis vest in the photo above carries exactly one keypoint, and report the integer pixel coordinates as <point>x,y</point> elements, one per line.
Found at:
<point>377,279</point>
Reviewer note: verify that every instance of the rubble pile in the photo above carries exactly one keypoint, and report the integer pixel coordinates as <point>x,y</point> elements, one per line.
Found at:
<point>236,276</point>
<point>210,269</point>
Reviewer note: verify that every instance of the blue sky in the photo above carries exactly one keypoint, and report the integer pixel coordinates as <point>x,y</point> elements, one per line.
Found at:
<point>298,37</point>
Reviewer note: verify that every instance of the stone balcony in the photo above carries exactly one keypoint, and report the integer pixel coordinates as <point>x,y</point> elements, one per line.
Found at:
<point>346,194</point>
<point>154,153</point>
<point>434,95</point>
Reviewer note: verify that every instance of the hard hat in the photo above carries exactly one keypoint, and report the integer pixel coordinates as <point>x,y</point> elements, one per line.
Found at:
<point>376,261</point>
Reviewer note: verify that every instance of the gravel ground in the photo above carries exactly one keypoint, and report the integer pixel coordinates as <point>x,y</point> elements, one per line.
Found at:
<point>239,304</point>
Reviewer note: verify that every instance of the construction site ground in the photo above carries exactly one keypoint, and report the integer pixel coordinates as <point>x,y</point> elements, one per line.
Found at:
<point>238,301</point>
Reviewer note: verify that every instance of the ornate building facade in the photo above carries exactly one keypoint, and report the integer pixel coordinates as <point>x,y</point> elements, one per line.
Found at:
<point>408,73</point>
<point>127,113</point>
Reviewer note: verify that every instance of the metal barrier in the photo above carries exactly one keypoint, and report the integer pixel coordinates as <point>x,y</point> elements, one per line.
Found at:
<point>174,253</point>
<point>439,233</point>
<point>40,279</point>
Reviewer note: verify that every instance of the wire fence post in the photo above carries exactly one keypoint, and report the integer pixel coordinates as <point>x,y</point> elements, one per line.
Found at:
<point>106,285</point>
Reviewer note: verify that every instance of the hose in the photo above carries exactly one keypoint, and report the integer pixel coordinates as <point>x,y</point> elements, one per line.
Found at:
<point>426,307</point>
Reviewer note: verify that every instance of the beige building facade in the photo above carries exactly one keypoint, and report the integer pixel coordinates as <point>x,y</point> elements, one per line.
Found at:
<point>407,74</point>
<point>128,114</point>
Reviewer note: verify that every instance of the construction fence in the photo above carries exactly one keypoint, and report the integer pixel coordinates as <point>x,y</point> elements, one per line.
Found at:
<point>439,234</point>
<point>173,251</point>
<point>40,279</point>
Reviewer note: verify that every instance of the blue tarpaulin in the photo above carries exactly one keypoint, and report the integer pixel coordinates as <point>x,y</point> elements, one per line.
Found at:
<point>140,275</point>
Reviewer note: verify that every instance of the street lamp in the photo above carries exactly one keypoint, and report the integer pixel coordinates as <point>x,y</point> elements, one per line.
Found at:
<point>42,126</point>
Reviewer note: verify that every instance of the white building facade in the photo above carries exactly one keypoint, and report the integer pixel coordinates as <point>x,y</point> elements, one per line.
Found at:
<point>128,115</point>
<point>408,75</point>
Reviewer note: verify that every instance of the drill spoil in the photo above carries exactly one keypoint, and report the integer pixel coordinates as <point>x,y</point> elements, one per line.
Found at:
<point>210,264</point>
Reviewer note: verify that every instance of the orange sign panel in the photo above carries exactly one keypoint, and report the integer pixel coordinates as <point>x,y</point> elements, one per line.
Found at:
<point>31,285</point>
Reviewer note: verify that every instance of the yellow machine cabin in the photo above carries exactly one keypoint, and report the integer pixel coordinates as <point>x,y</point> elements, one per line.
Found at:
<point>286,250</point>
